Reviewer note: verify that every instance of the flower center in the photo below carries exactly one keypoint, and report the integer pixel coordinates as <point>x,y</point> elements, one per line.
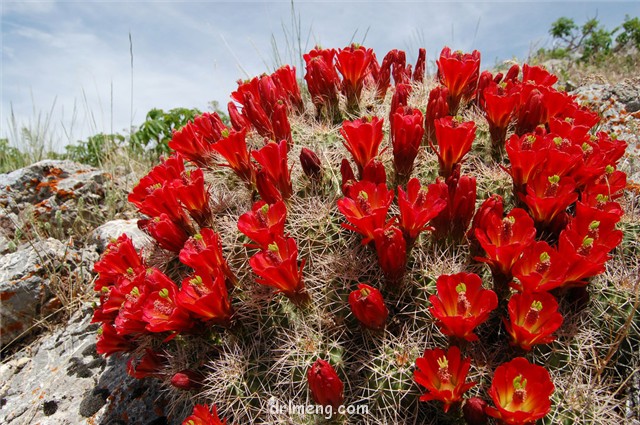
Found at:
<point>520,392</point>
<point>544,263</point>
<point>552,189</point>
<point>443,370</point>
<point>533,314</point>
<point>463,303</point>
<point>363,203</point>
<point>507,229</point>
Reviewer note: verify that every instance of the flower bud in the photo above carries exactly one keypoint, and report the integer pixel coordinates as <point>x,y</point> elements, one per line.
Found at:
<point>368,306</point>
<point>187,380</point>
<point>325,385</point>
<point>310,164</point>
<point>473,411</point>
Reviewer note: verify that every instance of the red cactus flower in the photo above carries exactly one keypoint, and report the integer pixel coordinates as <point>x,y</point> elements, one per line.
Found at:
<point>548,197</point>
<point>533,318</point>
<point>526,154</point>
<point>194,197</point>
<point>163,314</point>
<point>400,70</point>
<point>194,140</point>
<point>323,81</point>
<point>348,177</point>
<point>421,64</point>
<point>444,375</point>
<point>165,231</point>
<point>264,222</point>
<point>460,194</point>
<point>384,75</point>
<point>277,266</point>
<point>391,249</point>
<point>400,99</point>
<point>150,364</point>
<point>281,125</point>
<point>311,165</point>
<point>461,304</point>
<point>325,385</point>
<point>418,205</point>
<point>375,172</point>
<point>504,239</point>
<point>498,105</point>
<point>267,188</point>
<point>253,112</point>
<point>203,415</point>
<point>365,208</point>
<point>406,137</point>
<point>459,72</point>
<point>454,142</point>
<point>119,258</point>
<point>273,159</point>
<point>437,107</point>
<point>353,63</point>
<point>238,122</point>
<point>109,342</point>
<point>538,75</point>
<point>492,207</point>
<point>233,147</point>
<point>586,242</point>
<point>521,392</point>
<point>285,76</point>
<point>129,319</point>
<point>541,268</point>
<point>205,296</point>
<point>203,251</point>
<point>368,306</point>
<point>154,194</point>
<point>362,139</point>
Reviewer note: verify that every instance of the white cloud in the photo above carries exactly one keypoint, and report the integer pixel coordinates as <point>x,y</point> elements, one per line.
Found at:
<point>189,53</point>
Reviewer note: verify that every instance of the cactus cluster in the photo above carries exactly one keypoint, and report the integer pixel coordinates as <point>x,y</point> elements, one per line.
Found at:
<point>374,245</point>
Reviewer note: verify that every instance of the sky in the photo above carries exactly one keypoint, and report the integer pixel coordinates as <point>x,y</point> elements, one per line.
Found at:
<point>67,65</point>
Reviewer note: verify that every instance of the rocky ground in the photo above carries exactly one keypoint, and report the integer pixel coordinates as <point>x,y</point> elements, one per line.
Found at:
<point>55,219</point>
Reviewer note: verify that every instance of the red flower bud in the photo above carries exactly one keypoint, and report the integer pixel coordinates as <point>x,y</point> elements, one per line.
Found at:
<point>368,306</point>
<point>391,249</point>
<point>326,387</point>
<point>187,380</point>
<point>473,411</point>
<point>310,164</point>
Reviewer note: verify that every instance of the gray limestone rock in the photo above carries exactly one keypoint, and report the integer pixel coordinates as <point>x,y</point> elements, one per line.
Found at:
<point>62,380</point>
<point>111,230</point>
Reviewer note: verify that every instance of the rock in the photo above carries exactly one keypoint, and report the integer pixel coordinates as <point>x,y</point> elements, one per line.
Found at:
<point>24,287</point>
<point>48,389</point>
<point>61,179</point>
<point>62,197</point>
<point>619,107</point>
<point>113,229</point>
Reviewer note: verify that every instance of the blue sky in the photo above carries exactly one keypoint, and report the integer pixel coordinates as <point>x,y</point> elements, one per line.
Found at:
<point>186,53</point>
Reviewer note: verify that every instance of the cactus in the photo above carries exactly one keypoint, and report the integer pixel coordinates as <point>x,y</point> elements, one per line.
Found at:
<point>258,361</point>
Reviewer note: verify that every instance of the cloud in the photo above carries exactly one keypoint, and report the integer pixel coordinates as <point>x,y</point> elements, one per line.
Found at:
<point>188,53</point>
